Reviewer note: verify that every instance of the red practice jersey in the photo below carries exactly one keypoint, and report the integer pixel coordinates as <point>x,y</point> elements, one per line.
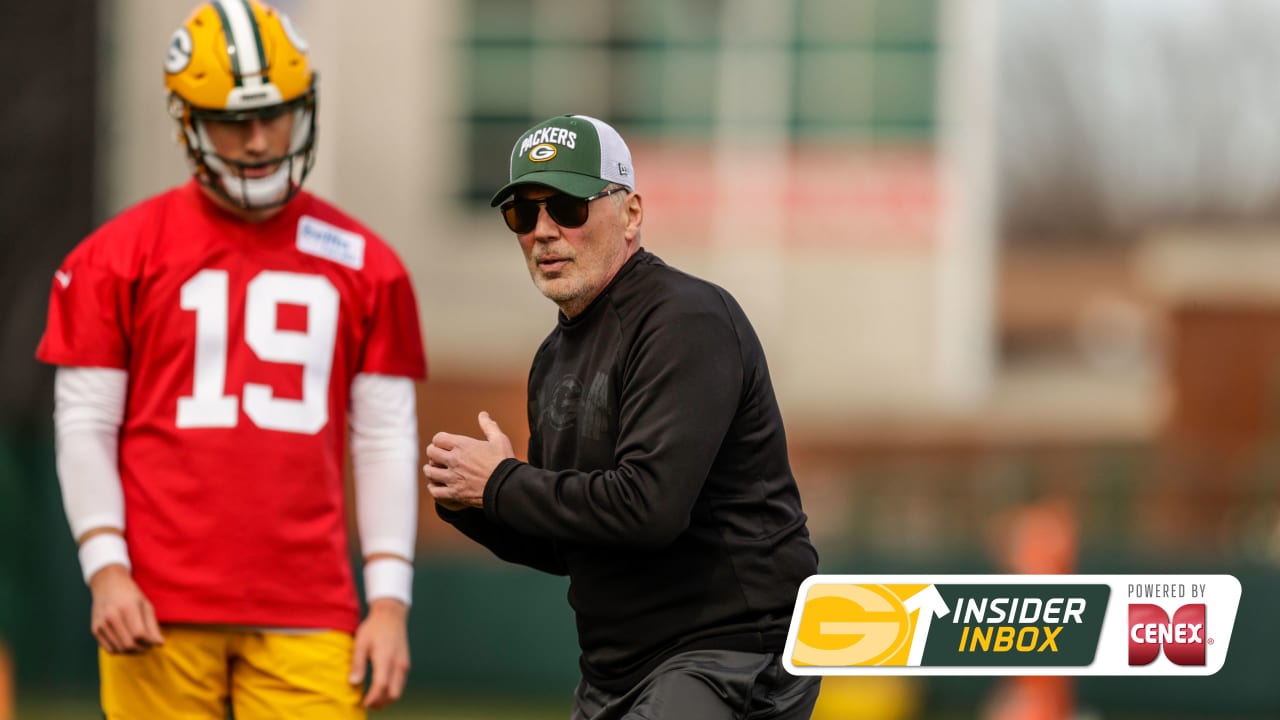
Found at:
<point>240,341</point>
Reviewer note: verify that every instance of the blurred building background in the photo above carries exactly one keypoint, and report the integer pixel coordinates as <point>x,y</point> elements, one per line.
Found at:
<point>1016,264</point>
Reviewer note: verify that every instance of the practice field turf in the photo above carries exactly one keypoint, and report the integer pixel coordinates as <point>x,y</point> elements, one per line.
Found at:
<point>431,708</point>
<point>420,708</point>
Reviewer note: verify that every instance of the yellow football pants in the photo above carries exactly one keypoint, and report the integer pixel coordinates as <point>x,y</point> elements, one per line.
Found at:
<point>200,671</point>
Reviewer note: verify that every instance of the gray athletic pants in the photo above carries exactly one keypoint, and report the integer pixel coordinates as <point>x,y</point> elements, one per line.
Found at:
<point>706,685</point>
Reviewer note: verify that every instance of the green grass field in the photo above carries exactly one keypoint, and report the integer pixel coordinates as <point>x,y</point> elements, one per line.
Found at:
<point>441,708</point>
<point>412,708</point>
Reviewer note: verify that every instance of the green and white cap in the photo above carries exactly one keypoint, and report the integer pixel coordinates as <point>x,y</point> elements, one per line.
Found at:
<point>575,154</point>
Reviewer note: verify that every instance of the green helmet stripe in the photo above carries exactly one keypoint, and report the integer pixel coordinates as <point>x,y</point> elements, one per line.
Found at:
<point>257,41</point>
<point>232,51</point>
<point>244,41</point>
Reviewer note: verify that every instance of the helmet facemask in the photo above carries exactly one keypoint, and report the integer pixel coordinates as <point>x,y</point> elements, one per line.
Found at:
<point>225,177</point>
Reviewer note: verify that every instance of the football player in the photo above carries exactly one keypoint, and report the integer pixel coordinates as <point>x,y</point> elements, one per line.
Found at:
<point>213,344</point>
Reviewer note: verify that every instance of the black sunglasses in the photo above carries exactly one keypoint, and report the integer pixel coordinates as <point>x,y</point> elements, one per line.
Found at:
<point>568,211</point>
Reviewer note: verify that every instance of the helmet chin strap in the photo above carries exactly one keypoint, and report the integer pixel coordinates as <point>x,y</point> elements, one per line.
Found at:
<point>252,192</point>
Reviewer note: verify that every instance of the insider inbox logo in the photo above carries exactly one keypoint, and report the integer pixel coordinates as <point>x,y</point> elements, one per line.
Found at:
<point>1012,625</point>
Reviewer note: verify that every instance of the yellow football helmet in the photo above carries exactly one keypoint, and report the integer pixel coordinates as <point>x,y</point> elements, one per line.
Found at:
<point>235,61</point>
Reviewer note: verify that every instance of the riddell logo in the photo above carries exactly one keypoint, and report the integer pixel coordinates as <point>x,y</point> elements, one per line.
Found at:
<point>1183,638</point>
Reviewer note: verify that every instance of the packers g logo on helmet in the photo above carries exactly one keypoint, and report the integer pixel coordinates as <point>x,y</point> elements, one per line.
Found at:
<point>235,61</point>
<point>179,52</point>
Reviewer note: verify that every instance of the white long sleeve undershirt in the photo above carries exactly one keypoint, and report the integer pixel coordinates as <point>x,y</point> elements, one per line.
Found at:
<point>88,411</point>
<point>384,459</point>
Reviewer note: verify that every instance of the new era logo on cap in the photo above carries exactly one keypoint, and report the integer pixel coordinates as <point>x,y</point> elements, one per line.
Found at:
<point>575,154</point>
<point>1182,638</point>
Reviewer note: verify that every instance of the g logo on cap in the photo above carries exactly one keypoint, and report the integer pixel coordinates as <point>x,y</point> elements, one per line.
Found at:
<point>542,152</point>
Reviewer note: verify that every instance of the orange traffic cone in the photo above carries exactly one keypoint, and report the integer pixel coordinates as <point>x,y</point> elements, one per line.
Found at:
<point>8,703</point>
<point>1039,539</point>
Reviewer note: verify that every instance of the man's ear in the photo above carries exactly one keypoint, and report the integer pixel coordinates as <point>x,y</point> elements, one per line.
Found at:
<point>635,215</point>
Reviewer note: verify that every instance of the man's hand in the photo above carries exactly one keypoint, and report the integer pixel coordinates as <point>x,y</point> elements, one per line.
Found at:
<point>122,620</point>
<point>382,640</point>
<point>458,467</point>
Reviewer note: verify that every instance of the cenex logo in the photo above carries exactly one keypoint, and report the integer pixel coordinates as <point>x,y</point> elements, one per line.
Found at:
<point>1183,638</point>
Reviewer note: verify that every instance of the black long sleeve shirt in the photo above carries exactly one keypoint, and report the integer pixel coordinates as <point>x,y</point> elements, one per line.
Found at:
<point>658,478</point>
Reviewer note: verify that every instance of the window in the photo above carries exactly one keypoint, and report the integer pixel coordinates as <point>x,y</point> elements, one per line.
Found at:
<point>854,70</point>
